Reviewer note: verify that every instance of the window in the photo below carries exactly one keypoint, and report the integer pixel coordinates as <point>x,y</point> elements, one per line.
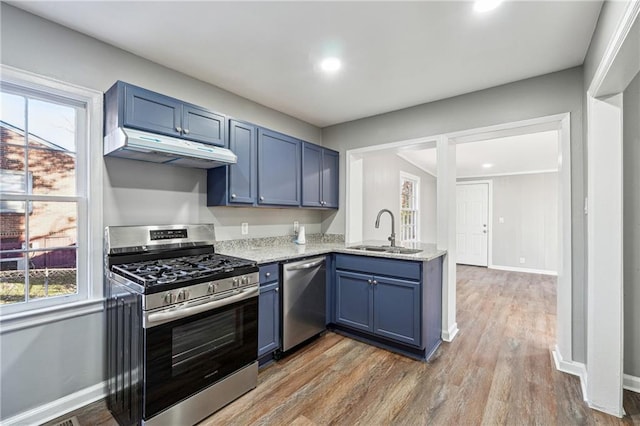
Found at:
<point>409,207</point>
<point>47,205</point>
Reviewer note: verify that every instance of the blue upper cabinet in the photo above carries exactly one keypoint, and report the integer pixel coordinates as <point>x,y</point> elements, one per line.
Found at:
<point>311,175</point>
<point>319,176</point>
<point>203,126</point>
<point>273,169</point>
<point>147,110</point>
<point>330,178</point>
<point>242,175</point>
<point>278,169</point>
<point>143,109</point>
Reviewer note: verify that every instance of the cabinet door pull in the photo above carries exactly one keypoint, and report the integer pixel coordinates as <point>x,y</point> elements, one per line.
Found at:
<point>268,274</point>
<point>375,282</point>
<point>261,198</point>
<point>370,281</point>
<point>233,195</point>
<point>178,129</point>
<point>186,131</point>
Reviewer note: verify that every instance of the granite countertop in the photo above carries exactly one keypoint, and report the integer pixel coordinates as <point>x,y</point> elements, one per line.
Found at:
<point>282,249</point>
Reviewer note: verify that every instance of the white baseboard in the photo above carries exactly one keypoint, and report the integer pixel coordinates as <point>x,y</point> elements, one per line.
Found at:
<point>59,407</point>
<point>631,383</point>
<point>571,367</point>
<point>526,270</point>
<point>449,335</point>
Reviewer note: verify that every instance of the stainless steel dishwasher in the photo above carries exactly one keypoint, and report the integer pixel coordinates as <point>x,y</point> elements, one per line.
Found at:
<point>303,300</point>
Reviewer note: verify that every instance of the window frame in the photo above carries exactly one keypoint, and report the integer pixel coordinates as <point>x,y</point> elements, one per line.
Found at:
<point>404,176</point>
<point>89,198</point>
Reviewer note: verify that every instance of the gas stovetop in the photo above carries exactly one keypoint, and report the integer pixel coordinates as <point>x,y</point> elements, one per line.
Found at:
<point>183,269</point>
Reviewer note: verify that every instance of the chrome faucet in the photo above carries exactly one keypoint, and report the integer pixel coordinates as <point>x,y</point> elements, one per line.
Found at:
<point>392,237</point>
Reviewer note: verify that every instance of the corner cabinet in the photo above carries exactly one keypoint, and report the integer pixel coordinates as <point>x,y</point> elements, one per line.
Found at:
<point>137,108</point>
<point>269,310</point>
<point>394,303</point>
<point>274,170</point>
<point>320,170</point>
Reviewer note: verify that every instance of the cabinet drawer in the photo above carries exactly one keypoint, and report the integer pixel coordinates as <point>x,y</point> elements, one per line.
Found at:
<point>269,273</point>
<point>379,266</point>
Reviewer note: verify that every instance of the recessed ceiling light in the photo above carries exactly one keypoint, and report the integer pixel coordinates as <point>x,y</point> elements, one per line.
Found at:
<point>487,165</point>
<point>330,64</point>
<point>486,5</point>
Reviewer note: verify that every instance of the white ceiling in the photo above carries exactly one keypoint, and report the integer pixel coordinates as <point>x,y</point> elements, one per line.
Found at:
<point>395,54</point>
<point>529,153</point>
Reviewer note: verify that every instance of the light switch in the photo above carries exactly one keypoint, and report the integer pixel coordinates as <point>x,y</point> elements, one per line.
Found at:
<point>501,219</point>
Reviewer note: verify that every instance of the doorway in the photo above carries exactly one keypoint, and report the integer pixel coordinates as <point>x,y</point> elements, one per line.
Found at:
<point>443,159</point>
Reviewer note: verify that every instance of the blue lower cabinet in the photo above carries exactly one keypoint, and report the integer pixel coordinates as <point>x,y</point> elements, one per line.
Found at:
<point>354,300</point>
<point>396,310</point>
<point>268,318</point>
<point>386,307</point>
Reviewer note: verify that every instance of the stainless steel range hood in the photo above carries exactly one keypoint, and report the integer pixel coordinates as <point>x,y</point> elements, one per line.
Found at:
<point>138,145</point>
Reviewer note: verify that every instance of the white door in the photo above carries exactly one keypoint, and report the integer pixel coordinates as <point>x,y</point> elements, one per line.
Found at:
<point>472,227</point>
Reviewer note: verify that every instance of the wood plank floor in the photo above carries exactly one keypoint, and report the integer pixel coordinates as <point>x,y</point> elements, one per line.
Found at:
<point>498,370</point>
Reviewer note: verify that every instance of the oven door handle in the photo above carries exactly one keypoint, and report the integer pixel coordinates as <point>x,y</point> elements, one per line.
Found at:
<point>156,318</point>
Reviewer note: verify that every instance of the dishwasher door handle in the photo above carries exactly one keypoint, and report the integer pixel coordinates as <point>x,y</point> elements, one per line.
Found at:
<point>306,265</point>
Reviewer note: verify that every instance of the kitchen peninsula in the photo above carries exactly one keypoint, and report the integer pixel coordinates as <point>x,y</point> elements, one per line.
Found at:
<point>390,300</point>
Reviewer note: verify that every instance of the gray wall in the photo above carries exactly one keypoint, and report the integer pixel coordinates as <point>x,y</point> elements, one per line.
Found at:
<point>381,190</point>
<point>64,357</point>
<point>535,97</point>
<point>631,226</point>
<point>529,206</point>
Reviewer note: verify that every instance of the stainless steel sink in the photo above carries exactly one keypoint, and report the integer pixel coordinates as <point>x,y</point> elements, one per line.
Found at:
<point>386,249</point>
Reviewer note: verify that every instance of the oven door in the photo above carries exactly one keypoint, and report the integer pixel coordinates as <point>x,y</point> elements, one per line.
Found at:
<point>186,355</point>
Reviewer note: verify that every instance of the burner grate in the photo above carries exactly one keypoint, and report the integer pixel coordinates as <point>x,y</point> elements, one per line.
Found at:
<point>170,270</point>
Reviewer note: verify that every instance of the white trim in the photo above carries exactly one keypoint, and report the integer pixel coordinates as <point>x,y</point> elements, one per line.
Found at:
<point>414,163</point>
<point>632,383</point>
<point>605,322</point>
<point>405,144</point>
<point>613,48</point>
<point>605,302</point>
<point>446,227</point>
<point>571,367</point>
<point>514,128</point>
<point>450,334</point>
<point>489,215</point>
<point>59,407</point>
<point>531,172</point>
<point>525,270</point>
<point>60,312</point>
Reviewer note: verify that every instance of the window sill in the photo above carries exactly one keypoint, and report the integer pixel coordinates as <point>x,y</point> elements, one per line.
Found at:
<point>23,320</point>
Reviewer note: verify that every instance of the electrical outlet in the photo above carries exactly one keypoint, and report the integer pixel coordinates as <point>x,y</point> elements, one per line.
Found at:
<point>245,228</point>
<point>296,226</point>
<point>501,219</point>
<point>522,260</point>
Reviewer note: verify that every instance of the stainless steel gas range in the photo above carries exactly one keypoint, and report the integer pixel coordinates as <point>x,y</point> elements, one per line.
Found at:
<point>182,331</point>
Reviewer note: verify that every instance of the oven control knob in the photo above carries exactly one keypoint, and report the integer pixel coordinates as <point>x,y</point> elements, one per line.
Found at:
<point>212,288</point>
<point>183,295</point>
<point>235,282</point>
<point>168,298</point>
<point>245,280</point>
